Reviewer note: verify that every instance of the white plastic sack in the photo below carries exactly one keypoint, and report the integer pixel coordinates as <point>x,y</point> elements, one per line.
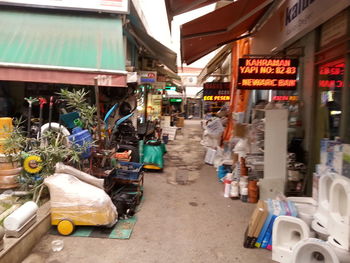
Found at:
<point>215,127</point>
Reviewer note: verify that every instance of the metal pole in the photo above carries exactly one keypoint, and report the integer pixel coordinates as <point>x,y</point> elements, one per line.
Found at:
<point>146,101</point>
<point>97,98</point>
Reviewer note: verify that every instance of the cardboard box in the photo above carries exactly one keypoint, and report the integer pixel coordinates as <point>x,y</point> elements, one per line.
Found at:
<point>241,130</point>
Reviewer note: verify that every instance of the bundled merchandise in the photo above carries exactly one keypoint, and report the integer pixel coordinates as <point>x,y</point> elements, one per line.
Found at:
<point>259,231</point>
<point>238,185</point>
<point>79,196</point>
<point>213,130</point>
<point>336,156</point>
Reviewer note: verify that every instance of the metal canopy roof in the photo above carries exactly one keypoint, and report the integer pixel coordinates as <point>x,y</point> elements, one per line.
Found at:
<point>203,35</point>
<point>41,45</point>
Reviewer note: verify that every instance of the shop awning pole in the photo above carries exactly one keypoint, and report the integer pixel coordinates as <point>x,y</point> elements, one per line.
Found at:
<point>97,98</point>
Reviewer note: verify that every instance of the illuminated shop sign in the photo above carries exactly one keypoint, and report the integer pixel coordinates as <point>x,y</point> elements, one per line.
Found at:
<point>110,6</point>
<point>285,98</point>
<point>331,77</point>
<point>175,100</point>
<point>216,91</point>
<point>267,74</point>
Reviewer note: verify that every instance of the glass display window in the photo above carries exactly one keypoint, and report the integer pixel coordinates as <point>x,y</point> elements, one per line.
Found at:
<point>331,85</point>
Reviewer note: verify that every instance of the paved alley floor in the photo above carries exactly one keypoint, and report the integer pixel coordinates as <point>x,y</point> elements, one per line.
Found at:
<point>184,218</point>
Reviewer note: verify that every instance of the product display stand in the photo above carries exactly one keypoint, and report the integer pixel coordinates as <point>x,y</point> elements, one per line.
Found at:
<point>275,153</point>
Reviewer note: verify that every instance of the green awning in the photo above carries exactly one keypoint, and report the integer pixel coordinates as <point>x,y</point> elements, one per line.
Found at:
<point>46,40</point>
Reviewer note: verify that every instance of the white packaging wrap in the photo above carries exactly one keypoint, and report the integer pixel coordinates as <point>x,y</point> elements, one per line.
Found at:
<point>80,201</point>
<point>87,178</point>
<point>20,216</point>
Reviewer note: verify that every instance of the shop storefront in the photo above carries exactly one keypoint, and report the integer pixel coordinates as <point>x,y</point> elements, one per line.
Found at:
<point>319,43</point>
<point>36,60</point>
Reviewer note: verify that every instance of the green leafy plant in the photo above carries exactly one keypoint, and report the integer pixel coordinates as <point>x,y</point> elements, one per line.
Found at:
<point>76,101</point>
<point>52,147</point>
<point>16,142</point>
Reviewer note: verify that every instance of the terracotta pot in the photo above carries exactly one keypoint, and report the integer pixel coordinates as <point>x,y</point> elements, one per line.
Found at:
<point>14,171</point>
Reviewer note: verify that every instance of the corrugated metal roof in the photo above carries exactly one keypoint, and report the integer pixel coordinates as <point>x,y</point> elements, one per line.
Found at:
<point>67,40</point>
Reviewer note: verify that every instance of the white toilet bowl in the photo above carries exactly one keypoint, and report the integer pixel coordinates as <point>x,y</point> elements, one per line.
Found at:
<point>339,208</point>
<point>322,213</point>
<point>321,231</point>
<point>306,206</point>
<point>287,232</point>
<point>342,254</point>
<point>313,250</point>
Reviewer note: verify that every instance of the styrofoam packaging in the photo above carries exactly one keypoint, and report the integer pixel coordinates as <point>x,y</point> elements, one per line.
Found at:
<point>20,216</point>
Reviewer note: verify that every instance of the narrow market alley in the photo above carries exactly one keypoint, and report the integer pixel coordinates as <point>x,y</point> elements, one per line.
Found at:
<point>183,218</point>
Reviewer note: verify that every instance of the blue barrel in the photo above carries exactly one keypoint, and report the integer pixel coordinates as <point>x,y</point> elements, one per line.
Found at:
<point>82,138</point>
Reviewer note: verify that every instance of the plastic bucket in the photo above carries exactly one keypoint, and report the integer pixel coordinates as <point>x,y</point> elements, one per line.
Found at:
<point>82,138</point>
<point>6,127</point>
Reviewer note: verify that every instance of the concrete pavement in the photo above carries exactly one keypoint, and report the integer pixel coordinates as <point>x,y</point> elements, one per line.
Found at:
<point>184,218</point>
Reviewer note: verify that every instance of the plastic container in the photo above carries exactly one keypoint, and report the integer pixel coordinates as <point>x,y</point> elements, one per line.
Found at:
<point>227,190</point>
<point>6,127</point>
<point>253,192</point>
<point>128,171</point>
<point>82,138</point>
<point>69,119</point>
<point>234,192</point>
<point>244,195</point>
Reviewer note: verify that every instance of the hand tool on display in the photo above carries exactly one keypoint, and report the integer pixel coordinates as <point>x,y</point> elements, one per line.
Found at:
<point>50,111</point>
<point>42,102</point>
<point>97,97</point>
<point>30,101</point>
<point>108,115</point>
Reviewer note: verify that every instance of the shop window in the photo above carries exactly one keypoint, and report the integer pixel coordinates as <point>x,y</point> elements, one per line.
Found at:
<point>331,85</point>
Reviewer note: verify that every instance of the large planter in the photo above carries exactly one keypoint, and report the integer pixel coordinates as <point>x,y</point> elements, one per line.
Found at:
<point>9,172</point>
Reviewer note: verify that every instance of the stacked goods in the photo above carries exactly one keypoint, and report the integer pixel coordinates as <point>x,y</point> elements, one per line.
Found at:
<point>256,222</point>
<point>124,156</point>
<point>259,232</point>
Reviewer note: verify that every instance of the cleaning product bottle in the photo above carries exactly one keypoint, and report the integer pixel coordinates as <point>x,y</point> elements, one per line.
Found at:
<point>234,193</point>
<point>227,183</point>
